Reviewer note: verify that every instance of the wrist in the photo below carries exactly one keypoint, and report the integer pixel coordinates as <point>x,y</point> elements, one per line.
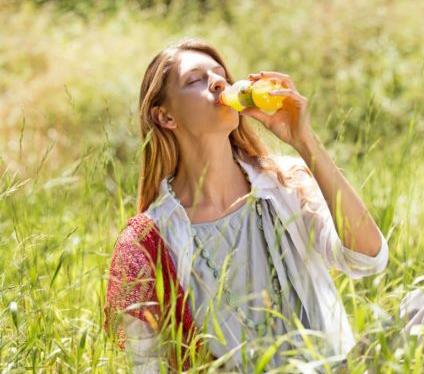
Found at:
<point>305,145</point>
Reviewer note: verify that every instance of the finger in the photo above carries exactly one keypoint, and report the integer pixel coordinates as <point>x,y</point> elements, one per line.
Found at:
<point>268,74</point>
<point>280,76</point>
<point>254,76</point>
<point>273,74</point>
<point>281,91</point>
<point>287,92</point>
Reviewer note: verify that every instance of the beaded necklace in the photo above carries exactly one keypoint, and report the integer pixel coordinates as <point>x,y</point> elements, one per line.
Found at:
<point>204,253</point>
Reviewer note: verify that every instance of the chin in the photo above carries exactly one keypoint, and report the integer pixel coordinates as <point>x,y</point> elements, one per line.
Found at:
<point>229,115</point>
<point>231,126</point>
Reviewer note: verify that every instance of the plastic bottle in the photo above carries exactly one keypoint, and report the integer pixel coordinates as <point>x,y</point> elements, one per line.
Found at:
<point>246,93</point>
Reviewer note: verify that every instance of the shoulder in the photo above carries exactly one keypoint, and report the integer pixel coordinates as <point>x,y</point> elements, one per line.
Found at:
<point>287,162</point>
<point>300,178</point>
<point>295,171</point>
<point>135,242</point>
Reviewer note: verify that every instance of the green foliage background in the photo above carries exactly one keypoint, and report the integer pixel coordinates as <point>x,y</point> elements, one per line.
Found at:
<point>70,72</point>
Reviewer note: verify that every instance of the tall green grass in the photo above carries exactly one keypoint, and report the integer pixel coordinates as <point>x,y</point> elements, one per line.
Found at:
<point>70,153</point>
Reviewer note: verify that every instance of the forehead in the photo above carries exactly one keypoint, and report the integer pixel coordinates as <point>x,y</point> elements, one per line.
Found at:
<point>188,60</point>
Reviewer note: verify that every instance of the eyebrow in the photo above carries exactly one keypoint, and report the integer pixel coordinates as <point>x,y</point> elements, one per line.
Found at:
<point>214,68</point>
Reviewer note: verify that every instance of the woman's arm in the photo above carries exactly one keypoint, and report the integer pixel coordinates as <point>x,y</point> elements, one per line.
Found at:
<point>292,124</point>
<point>362,249</point>
<point>320,228</point>
<point>355,226</point>
<point>130,285</point>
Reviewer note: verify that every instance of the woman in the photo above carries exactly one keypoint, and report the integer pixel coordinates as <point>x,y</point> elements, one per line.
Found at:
<point>223,206</point>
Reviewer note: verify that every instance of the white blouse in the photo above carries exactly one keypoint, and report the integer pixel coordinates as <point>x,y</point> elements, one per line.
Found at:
<point>239,237</point>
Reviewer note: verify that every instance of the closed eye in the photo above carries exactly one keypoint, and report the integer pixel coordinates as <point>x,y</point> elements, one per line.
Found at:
<point>196,80</point>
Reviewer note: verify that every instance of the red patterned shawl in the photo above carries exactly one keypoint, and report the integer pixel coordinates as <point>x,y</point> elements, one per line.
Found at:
<point>132,280</point>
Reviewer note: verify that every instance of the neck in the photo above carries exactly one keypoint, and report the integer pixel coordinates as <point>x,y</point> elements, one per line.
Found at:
<point>209,177</point>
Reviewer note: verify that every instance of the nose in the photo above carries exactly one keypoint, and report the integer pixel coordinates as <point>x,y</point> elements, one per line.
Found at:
<point>218,84</point>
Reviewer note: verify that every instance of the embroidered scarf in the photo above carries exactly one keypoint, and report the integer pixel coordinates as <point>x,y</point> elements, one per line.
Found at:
<point>132,284</point>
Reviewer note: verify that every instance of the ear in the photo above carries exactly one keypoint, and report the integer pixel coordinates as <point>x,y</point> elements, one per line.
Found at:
<point>163,118</point>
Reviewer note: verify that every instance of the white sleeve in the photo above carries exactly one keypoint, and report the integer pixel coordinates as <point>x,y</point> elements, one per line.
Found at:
<point>142,345</point>
<point>320,226</point>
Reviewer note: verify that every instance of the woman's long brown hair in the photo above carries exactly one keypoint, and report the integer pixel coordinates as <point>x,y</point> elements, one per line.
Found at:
<point>160,153</point>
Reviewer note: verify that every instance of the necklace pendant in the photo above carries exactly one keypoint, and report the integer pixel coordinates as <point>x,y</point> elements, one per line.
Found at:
<point>204,253</point>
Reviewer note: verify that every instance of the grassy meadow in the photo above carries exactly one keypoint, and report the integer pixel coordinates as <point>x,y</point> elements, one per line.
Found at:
<point>70,149</point>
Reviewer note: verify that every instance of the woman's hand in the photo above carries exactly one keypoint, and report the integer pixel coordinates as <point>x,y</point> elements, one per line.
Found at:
<point>290,123</point>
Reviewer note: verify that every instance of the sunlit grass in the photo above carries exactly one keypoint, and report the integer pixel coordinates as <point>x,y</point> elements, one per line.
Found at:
<point>70,153</point>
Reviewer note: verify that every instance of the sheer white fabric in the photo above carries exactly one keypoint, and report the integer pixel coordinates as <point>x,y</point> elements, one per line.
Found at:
<point>327,248</point>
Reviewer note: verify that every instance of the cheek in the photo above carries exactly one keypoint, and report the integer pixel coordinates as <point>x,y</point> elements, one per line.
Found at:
<point>194,102</point>
<point>196,96</point>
